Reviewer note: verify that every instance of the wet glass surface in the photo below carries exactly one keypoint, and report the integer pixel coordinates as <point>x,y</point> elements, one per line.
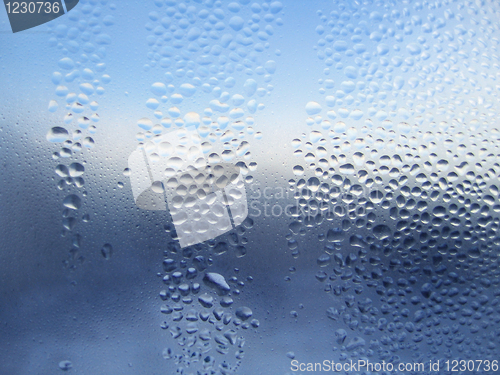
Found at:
<point>217,187</point>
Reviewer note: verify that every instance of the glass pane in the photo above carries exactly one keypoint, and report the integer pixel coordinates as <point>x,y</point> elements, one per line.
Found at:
<point>249,187</point>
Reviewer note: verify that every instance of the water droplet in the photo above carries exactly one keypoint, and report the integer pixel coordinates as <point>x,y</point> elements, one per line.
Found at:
<point>65,365</point>
<point>72,201</point>
<point>158,89</point>
<point>382,231</point>
<point>217,281</point>
<point>313,108</point>
<point>53,106</point>
<point>57,134</point>
<point>244,313</point>
<point>107,251</point>
<point>66,63</point>
<point>236,23</point>
<point>76,170</point>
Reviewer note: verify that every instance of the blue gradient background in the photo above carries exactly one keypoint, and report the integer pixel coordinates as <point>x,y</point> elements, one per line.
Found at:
<point>104,316</point>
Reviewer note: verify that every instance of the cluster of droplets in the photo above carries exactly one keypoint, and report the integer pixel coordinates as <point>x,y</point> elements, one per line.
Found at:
<point>387,60</point>
<point>213,48</point>
<point>199,307</point>
<point>218,49</point>
<point>384,197</point>
<point>79,80</point>
<point>236,149</point>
